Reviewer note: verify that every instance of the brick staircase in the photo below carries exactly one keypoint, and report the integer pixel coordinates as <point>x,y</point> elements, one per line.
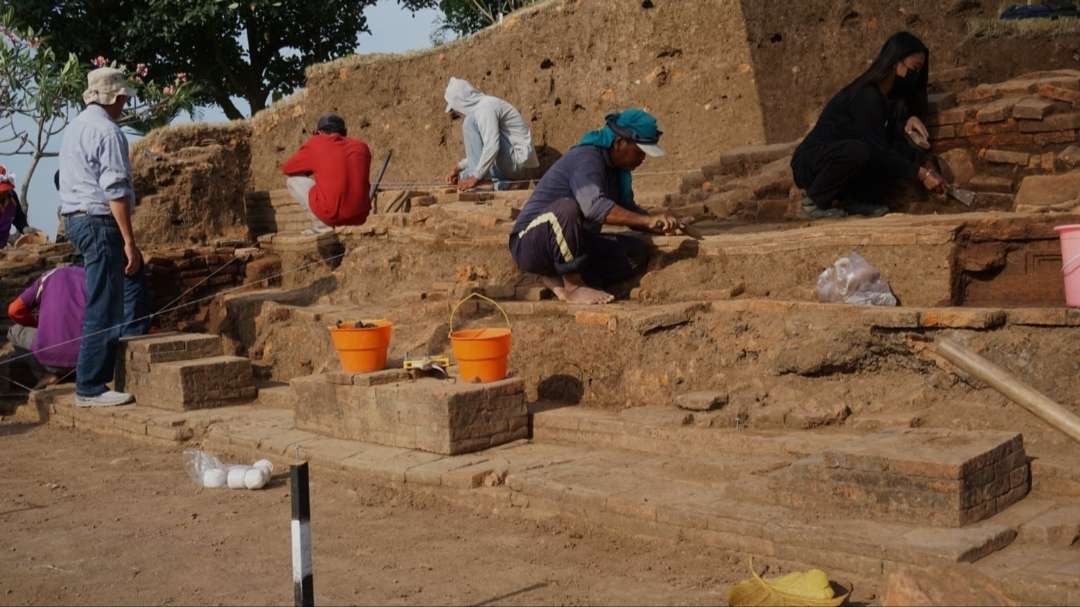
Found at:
<point>181,372</point>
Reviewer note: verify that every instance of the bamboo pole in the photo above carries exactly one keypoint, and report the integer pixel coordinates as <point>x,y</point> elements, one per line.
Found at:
<point>1011,386</point>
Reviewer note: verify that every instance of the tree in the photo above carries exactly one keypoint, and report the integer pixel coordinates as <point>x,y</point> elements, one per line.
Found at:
<point>465,17</point>
<point>40,92</point>
<point>252,49</point>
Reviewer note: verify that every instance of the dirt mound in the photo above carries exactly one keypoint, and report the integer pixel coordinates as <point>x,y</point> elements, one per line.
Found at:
<point>718,75</point>
<point>191,181</point>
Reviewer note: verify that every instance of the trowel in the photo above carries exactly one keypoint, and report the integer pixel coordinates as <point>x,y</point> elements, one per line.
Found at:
<point>686,228</point>
<point>966,197</point>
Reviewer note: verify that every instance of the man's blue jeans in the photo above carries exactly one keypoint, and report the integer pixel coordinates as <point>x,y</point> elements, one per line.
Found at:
<point>503,171</point>
<point>115,304</point>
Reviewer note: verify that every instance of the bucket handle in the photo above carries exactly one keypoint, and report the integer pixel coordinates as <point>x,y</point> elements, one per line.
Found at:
<point>1072,264</point>
<point>478,296</point>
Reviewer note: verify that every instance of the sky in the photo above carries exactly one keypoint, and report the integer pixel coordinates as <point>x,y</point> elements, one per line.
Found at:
<point>393,30</point>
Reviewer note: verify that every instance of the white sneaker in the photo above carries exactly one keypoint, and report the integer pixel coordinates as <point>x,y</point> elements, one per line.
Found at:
<point>109,398</point>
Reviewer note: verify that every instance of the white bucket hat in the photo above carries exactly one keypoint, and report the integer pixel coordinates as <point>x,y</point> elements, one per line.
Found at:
<point>105,84</point>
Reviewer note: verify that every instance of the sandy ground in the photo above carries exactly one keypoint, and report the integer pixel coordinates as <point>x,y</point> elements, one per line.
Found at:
<point>96,519</point>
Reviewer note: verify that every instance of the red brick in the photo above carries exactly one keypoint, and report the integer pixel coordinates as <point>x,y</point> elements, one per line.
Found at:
<point>1058,93</point>
<point>1016,87</point>
<point>597,319</point>
<point>986,183</point>
<point>971,129</point>
<point>996,111</point>
<point>942,132</point>
<point>950,116</point>
<point>1053,122</point>
<point>1055,138</point>
<point>1032,109</point>
<point>1004,157</point>
<point>982,92</point>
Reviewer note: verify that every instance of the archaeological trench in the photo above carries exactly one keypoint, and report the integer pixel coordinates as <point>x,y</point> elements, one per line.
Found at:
<point>716,401</point>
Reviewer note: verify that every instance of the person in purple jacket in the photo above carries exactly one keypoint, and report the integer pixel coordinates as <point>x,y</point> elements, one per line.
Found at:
<point>48,319</point>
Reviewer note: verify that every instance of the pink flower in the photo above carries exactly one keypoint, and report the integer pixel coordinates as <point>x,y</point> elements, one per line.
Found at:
<point>99,61</point>
<point>168,91</point>
<point>35,42</point>
<point>181,77</point>
<point>141,69</point>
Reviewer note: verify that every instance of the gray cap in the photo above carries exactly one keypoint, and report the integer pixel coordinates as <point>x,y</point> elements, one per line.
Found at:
<point>331,123</point>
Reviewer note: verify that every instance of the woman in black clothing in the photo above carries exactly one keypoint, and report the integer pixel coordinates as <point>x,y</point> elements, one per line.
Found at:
<point>860,142</point>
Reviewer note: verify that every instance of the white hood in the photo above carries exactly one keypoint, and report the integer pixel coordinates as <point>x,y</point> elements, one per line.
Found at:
<point>461,96</point>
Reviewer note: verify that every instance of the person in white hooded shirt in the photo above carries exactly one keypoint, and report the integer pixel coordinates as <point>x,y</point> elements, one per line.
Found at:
<point>498,142</point>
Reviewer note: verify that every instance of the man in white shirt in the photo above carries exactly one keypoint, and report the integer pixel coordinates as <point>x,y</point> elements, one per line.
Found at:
<point>498,142</point>
<point>97,198</point>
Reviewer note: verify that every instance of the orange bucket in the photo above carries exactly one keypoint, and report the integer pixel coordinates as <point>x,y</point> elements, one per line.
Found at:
<point>480,353</point>
<point>362,350</point>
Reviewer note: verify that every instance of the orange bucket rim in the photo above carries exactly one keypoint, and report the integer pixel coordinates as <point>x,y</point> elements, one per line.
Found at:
<point>479,334</point>
<point>380,323</point>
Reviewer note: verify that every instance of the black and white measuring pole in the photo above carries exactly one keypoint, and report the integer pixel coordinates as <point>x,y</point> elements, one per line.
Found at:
<point>303,593</point>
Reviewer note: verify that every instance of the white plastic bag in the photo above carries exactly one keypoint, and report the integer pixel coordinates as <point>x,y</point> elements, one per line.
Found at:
<point>852,280</point>
<point>208,471</point>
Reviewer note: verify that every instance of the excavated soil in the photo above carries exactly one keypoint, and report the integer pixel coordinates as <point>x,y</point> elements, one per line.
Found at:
<point>717,74</point>
<point>143,533</point>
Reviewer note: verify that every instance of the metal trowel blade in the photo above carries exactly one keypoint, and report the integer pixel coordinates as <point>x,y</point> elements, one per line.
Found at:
<point>966,197</point>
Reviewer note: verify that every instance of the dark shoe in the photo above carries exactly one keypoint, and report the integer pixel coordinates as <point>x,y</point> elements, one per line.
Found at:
<point>866,209</point>
<point>809,210</point>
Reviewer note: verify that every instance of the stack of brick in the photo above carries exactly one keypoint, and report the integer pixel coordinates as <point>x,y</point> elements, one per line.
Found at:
<point>389,408</point>
<point>989,138</point>
<point>304,259</point>
<point>171,272</point>
<point>274,211</point>
<point>992,136</point>
<point>752,183</point>
<point>921,476</point>
<point>182,371</point>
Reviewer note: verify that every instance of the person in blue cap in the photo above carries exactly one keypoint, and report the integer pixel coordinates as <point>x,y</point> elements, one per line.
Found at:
<point>558,233</point>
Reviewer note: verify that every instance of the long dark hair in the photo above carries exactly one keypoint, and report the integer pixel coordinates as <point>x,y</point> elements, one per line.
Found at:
<point>895,49</point>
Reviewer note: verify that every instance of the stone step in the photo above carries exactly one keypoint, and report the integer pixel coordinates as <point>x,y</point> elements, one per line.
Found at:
<point>1036,574</point>
<point>278,396</point>
<point>626,492</point>
<point>138,354</point>
<point>202,383</point>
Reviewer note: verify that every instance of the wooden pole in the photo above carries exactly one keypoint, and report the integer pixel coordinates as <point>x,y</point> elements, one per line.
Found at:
<point>1011,386</point>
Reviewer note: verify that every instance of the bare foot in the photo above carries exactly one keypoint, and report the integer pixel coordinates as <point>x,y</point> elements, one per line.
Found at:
<point>556,286</point>
<point>586,295</point>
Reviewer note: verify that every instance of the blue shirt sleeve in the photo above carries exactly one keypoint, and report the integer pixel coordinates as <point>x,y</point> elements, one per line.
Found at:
<point>587,183</point>
<point>115,178</point>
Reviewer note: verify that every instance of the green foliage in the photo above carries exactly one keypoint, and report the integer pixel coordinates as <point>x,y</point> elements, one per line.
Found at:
<point>465,17</point>
<point>251,49</point>
<point>41,89</point>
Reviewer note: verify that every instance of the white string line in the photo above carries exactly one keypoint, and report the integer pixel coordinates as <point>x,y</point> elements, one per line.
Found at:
<point>197,285</point>
<point>177,307</point>
<point>405,185</point>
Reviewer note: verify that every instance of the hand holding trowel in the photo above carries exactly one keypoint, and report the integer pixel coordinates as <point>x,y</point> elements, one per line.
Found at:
<point>686,227</point>
<point>965,197</point>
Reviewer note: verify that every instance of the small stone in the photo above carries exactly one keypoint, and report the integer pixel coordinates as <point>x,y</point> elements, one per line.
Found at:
<point>1070,156</point>
<point>706,400</point>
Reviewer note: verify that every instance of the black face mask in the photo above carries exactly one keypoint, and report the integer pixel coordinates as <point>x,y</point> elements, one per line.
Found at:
<point>904,86</point>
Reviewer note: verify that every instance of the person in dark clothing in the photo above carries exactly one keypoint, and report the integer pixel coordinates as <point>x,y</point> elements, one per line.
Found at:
<point>861,140</point>
<point>557,235</point>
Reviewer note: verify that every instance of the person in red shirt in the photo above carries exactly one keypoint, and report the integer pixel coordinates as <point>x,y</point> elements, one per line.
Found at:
<point>328,176</point>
